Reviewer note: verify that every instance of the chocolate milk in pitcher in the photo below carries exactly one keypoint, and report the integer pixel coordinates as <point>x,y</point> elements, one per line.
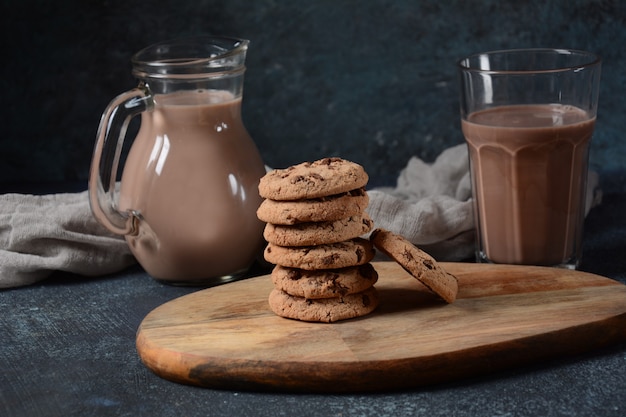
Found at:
<point>189,223</point>
<point>188,192</point>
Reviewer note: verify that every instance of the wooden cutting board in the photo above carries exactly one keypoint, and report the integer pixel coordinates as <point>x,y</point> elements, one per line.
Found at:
<point>505,316</point>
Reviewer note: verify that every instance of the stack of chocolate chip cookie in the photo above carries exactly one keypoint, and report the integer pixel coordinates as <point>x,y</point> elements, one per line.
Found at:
<point>315,213</point>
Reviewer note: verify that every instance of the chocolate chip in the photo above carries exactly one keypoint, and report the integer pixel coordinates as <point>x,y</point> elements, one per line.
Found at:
<point>297,179</point>
<point>330,259</point>
<point>337,287</point>
<point>366,300</point>
<point>294,274</point>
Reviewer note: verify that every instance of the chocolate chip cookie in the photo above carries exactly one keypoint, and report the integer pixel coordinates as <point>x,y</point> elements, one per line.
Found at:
<point>318,233</point>
<point>417,262</point>
<point>324,283</point>
<point>323,209</point>
<point>324,177</point>
<point>353,252</point>
<point>324,309</point>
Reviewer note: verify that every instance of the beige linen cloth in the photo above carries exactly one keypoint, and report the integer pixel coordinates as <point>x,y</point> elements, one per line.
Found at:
<point>56,232</point>
<point>430,205</point>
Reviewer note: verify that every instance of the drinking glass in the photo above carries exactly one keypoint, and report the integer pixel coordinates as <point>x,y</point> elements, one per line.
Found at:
<point>528,117</point>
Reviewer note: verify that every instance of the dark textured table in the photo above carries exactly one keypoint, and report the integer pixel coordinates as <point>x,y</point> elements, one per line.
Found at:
<point>68,349</point>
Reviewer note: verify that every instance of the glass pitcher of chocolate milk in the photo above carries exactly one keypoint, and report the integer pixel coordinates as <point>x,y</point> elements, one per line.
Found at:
<point>187,199</point>
<point>528,117</point>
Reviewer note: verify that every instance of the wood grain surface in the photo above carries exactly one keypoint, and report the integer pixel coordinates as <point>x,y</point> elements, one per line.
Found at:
<point>505,316</point>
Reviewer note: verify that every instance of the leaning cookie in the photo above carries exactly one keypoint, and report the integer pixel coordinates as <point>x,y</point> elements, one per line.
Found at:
<point>323,209</point>
<point>324,283</point>
<point>325,310</point>
<point>309,180</point>
<point>353,252</point>
<point>318,233</point>
<point>417,262</point>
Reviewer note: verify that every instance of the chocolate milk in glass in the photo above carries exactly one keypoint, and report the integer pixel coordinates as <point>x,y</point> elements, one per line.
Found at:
<point>527,116</point>
<point>189,227</point>
<point>521,156</point>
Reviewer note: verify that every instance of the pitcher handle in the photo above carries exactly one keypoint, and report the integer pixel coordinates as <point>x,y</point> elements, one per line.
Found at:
<point>106,156</point>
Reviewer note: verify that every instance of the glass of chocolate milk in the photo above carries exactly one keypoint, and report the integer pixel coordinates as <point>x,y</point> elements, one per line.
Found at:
<point>188,194</point>
<point>528,117</point>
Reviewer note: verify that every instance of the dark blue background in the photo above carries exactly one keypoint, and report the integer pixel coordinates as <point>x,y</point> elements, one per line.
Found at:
<point>371,81</point>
